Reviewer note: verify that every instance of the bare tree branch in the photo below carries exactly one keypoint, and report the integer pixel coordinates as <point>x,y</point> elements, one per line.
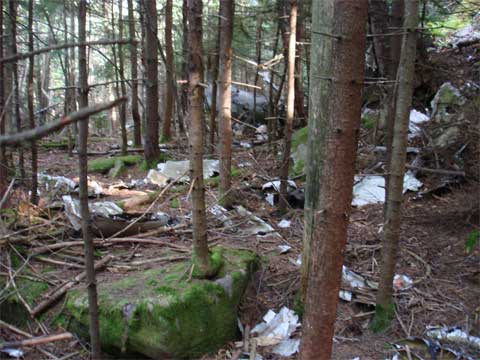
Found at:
<point>64,46</point>
<point>41,131</point>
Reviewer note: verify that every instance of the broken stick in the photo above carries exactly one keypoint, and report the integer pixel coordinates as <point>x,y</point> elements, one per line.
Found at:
<point>61,290</point>
<point>37,340</point>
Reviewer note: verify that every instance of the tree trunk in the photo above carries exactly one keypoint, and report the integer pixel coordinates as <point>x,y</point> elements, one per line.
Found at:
<point>137,127</point>
<point>184,94</point>
<point>167,119</point>
<point>272,109</point>
<point>201,256</point>
<point>151,148</point>
<point>227,9</point>
<point>31,114</point>
<point>83,186</point>
<point>121,70</point>
<point>11,78</point>
<point>299,98</point>
<point>396,21</point>
<point>258,50</point>
<point>334,124</point>
<point>66,79</point>
<point>215,79</point>
<point>3,168</point>
<point>384,310</point>
<point>285,164</point>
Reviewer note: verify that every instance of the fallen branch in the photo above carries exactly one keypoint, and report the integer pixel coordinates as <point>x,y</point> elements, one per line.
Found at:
<point>41,131</point>
<point>61,290</point>
<point>99,243</point>
<point>37,340</point>
<point>436,171</point>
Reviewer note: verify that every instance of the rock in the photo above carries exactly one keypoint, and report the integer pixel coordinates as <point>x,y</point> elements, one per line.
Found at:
<point>299,150</point>
<point>173,169</point>
<point>117,169</point>
<point>159,314</point>
<point>447,100</point>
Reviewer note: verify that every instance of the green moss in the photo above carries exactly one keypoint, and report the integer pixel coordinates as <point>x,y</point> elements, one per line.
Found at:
<point>102,165</point>
<point>298,168</point>
<point>118,169</point>
<point>382,318</point>
<point>215,181</point>
<point>299,137</point>
<point>175,203</point>
<point>63,144</point>
<point>163,157</point>
<point>368,122</point>
<point>169,317</point>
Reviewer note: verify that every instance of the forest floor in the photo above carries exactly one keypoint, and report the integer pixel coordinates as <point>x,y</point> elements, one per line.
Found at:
<point>435,228</point>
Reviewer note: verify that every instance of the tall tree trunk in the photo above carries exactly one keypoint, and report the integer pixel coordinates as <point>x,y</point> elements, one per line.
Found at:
<point>150,146</point>
<point>342,63</point>
<point>258,50</point>
<point>12,85</point>
<point>396,21</point>
<point>121,70</point>
<point>185,54</point>
<point>285,165</point>
<point>3,157</point>
<point>83,186</point>
<point>137,127</point>
<point>384,310</point>
<point>31,112</point>
<point>201,256</point>
<point>299,98</point>
<point>227,10</point>
<point>67,80</point>
<point>272,109</point>
<point>168,114</point>
<point>213,108</point>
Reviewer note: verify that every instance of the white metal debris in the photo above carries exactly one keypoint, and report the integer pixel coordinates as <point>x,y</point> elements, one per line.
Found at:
<point>402,282</point>
<point>275,185</point>
<point>345,295</point>
<point>257,225</point>
<point>270,199</point>
<point>416,118</point>
<point>73,212</point>
<point>15,353</point>
<point>352,279</point>
<point>56,182</point>
<point>276,329</point>
<point>284,224</point>
<point>284,248</point>
<point>371,189</point>
<point>173,169</point>
<point>454,335</point>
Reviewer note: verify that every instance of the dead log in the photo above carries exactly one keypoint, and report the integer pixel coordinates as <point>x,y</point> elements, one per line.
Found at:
<point>39,340</point>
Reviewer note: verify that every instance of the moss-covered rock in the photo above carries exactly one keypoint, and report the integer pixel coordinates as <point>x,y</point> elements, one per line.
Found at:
<point>160,313</point>
<point>117,169</point>
<point>103,165</point>
<point>299,151</point>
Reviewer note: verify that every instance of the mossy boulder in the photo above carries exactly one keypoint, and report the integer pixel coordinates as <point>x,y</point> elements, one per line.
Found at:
<point>299,150</point>
<point>161,313</point>
<point>447,100</point>
<point>117,169</point>
<point>103,165</point>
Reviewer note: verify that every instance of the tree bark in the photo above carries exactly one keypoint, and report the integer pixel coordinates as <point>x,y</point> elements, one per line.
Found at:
<point>227,9</point>
<point>384,310</point>
<point>396,21</point>
<point>150,146</point>
<point>31,110</point>
<point>215,79</point>
<point>168,114</point>
<point>12,79</point>
<point>184,94</point>
<point>201,256</point>
<point>334,124</point>
<point>137,127</point>
<point>285,164</point>
<point>121,70</point>
<point>83,186</point>
<point>258,50</point>
<point>299,97</point>
<point>3,158</point>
